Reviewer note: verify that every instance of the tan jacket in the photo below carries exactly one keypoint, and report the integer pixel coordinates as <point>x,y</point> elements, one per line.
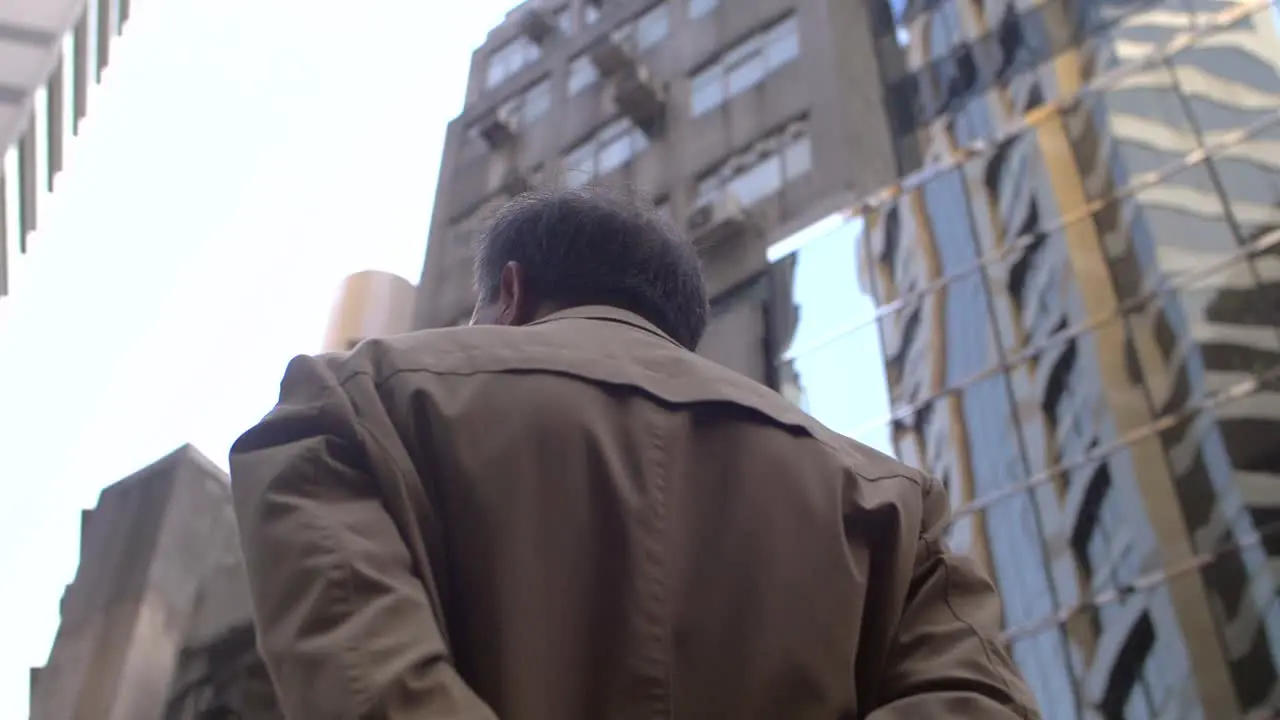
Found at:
<point>580,520</point>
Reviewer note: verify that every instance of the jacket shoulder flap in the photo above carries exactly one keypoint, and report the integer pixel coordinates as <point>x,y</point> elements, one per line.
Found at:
<point>614,354</point>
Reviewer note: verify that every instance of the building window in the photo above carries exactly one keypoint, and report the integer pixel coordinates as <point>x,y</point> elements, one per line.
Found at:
<point>1163,670</point>
<point>534,102</point>
<point>520,111</point>
<point>652,27</point>
<point>745,65</point>
<point>645,31</point>
<point>797,158</point>
<point>783,43</point>
<point>900,31</point>
<point>564,21</point>
<point>582,75</point>
<point>706,92</point>
<point>510,58</point>
<point>746,74</point>
<point>699,8</point>
<point>1104,541</point>
<point>608,149</point>
<point>663,208</point>
<point>637,35</point>
<point>774,161</point>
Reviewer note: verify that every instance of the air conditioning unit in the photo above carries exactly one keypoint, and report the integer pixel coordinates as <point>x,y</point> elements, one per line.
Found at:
<point>612,54</point>
<point>498,128</point>
<point>537,24</point>
<point>638,96</point>
<point>718,221</point>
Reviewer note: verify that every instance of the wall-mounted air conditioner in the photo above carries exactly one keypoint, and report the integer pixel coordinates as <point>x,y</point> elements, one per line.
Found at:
<point>638,96</point>
<point>613,54</point>
<point>498,128</point>
<point>718,221</point>
<point>537,24</point>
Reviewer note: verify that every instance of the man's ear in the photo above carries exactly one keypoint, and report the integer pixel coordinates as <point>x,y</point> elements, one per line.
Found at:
<point>516,304</point>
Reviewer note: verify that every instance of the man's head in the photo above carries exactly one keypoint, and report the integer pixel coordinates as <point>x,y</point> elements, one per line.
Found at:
<point>549,251</point>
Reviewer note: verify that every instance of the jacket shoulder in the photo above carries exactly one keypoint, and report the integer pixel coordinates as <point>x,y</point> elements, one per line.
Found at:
<point>602,353</point>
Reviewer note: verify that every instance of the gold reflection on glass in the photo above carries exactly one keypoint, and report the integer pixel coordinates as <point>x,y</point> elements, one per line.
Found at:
<point>1079,309</point>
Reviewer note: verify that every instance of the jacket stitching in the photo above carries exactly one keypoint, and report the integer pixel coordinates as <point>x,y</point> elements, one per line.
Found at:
<point>617,321</point>
<point>429,582</point>
<point>935,550</point>
<point>331,543</point>
<point>890,476</point>
<point>379,381</point>
<point>656,555</point>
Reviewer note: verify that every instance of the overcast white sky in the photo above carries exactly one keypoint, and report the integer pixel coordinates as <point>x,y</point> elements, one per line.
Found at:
<point>241,158</point>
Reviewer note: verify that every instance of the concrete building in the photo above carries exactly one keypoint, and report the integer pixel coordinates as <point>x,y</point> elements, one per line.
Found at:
<point>1066,213</point>
<point>1066,279</point>
<point>1086,265</point>
<point>369,304</point>
<point>156,623</point>
<point>709,109</point>
<point>51,51</point>
<point>711,113</point>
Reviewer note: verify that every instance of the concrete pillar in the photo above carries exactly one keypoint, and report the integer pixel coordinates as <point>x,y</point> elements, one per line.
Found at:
<point>147,551</point>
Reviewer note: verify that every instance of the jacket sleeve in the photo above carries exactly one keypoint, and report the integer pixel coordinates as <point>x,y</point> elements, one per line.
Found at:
<point>947,659</point>
<point>346,624</point>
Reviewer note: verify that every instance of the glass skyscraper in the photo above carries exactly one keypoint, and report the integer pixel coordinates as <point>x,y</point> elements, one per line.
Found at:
<point>1077,291</point>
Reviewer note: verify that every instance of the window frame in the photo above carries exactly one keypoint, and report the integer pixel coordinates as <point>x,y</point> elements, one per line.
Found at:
<point>540,88</point>
<point>580,159</point>
<point>588,156</point>
<point>564,20</point>
<point>791,147</point>
<point>660,13</point>
<point>702,82</point>
<point>508,59</point>
<point>766,172</point>
<point>759,47</point>
<point>785,140</point>
<point>591,74</point>
<point>777,38</point>
<point>755,61</point>
<point>517,107</point>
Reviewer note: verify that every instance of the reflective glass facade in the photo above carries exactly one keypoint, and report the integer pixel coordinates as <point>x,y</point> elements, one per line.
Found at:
<point>1077,307</point>
<point>830,366</point>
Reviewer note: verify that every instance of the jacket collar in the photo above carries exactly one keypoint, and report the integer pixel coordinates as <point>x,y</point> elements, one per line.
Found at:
<point>607,314</point>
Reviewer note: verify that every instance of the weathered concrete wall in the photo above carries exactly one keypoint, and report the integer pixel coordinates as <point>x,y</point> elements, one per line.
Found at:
<point>160,571</point>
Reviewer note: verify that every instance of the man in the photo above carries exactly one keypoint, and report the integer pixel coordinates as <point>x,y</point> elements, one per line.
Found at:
<point>563,513</point>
